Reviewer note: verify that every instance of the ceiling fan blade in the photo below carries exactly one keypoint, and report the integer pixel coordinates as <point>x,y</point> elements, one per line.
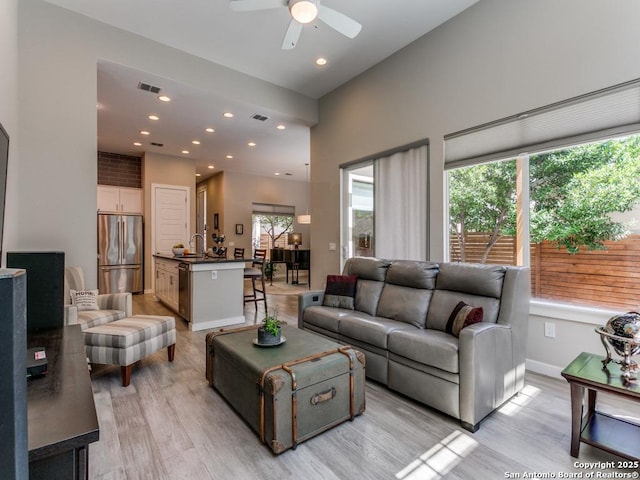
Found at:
<point>293,34</point>
<point>250,5</point>
<point>339,21</point>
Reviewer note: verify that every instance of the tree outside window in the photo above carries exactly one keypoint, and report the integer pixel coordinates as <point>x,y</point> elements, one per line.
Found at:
<point>271,231</point>
<point>577,197</point>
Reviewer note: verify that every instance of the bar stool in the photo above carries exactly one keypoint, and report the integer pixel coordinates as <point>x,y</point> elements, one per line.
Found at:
<point>256,272</point>
<point>238,253</point>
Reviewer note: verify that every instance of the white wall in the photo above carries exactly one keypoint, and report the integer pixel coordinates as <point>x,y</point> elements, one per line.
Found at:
<point>495,59</point>
<point>58,54</point>
<point>9,115</point>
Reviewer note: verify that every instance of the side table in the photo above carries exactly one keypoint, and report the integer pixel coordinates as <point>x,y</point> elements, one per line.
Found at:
<point>601,430</point>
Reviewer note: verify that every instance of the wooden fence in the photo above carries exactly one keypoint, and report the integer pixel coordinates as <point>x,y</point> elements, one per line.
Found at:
<point>602,278</point>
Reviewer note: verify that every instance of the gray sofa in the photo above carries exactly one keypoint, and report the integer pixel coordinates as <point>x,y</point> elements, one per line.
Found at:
<point>399,320</point>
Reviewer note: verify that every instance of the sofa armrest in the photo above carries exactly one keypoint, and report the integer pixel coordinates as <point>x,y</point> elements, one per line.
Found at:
<point>116,301</point>
<point>70,315</point>
<point>308,299</point>
<point>489,374</point>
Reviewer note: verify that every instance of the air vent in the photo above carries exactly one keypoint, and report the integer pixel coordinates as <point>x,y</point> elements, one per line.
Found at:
<point>156,144</point>
<point>257,116</point>
<point>288,174</point>
<point>148,88</point>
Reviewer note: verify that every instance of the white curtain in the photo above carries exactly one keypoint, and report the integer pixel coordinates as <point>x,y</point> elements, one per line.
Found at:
<point>401,205</point>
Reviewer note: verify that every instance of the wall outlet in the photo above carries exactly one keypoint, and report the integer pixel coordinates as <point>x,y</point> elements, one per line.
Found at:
<point>214,274</point>
<point>332,246</point>
<point>232,244</point>
<point>549,329</point>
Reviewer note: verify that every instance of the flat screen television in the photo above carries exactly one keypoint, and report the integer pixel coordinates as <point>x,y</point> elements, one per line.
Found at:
<point>4,160</point>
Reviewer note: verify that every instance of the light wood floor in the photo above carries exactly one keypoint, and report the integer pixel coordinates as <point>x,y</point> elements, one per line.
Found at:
<point>169,424</point>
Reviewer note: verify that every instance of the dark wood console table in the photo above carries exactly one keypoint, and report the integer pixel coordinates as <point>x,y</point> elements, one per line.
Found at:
<point>62,418</point>
<point>295,260</point>
<point>607,432</point>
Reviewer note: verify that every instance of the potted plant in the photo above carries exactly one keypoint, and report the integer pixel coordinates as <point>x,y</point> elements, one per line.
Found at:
<point>269,333</point>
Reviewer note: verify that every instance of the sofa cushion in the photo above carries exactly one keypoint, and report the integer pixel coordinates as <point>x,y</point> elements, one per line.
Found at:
<point>414,274</point>
<point>404,304</point>
<point>367,268</point>
<point>368,295</point>
<point>429,347</point>
<point>84,299</point>
<point>443,302</point>
<point>326,318</point>
<point>462,316</point>
<point>474,279</point>
<point>340,291</point>
<point>371,330</point>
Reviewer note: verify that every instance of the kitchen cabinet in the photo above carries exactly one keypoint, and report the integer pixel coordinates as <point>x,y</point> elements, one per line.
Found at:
<point>119,199</point>
<point>212,293</point>
<point>167,284</point>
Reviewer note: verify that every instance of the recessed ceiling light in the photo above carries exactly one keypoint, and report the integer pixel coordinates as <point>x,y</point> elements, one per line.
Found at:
<point>153,117</point>
<point>321,62</point>
<point>144,132</point>
<point>186,152</point>
<point>228,114</point>
<point>211,167</point>
<point>209,130</point>
<point>137,144</point>
<point>252,144</point>
<point>195,142</point>
<point>281,127</point>
<point>198,175</point>
<point>229,156</point>
<point>164,98</point>
<point>277,173</point>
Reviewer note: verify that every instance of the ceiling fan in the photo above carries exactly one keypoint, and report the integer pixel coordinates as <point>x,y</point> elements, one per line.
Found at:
<point>302,12</point>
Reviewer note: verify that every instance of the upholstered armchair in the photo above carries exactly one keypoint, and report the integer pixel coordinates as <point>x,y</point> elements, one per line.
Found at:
<point>110,307</point>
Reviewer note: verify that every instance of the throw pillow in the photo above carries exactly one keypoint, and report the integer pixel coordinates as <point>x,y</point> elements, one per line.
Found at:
<point>462,316</point>
<point>340,291</point>
<point>84,299</point>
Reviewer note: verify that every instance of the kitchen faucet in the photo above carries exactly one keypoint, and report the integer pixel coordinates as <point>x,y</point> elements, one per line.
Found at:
<point>204,242</point>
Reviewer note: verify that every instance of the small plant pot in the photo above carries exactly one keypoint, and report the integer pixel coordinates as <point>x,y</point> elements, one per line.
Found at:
<point>265,338</point>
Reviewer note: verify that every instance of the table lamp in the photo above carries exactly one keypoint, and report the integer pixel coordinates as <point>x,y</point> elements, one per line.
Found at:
<point>294,239</point>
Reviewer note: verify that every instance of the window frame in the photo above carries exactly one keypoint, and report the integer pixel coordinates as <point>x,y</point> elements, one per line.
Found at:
<point>586,314</point>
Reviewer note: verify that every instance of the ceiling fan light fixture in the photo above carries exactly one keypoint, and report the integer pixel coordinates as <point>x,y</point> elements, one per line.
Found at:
<point>303,11</point>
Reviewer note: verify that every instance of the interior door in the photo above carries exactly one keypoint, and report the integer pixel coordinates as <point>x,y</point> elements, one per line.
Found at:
<point>170,217</point>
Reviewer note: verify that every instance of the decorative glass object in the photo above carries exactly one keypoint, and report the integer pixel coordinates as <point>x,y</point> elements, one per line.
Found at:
<point>622,332</point>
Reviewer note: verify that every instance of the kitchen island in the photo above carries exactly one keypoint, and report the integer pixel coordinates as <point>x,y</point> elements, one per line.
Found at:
<point>208,292</point>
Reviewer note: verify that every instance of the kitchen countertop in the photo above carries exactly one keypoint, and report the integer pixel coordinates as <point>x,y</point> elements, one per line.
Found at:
<point>199,259</point>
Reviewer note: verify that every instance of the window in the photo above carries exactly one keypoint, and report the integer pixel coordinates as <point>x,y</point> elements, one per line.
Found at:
<point>581,239</point>
<point>270,225</point>
<point>566,208</point>
<point>358,228</point>
<point>386,194</point>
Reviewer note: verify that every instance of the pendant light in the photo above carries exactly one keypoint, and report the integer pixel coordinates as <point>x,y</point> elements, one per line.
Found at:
<point>306,219</point>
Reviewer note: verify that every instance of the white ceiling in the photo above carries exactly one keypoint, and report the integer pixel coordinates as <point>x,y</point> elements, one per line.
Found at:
<point>248,42</point>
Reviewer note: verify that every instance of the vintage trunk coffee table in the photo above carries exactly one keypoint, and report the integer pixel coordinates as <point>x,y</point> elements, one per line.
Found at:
<point>290,392</point>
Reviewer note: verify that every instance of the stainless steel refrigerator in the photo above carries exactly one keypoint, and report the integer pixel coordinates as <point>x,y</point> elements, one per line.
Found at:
<point>120,253</point>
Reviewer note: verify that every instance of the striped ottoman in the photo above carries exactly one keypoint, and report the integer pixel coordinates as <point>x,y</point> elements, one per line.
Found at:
<point>124,342</point>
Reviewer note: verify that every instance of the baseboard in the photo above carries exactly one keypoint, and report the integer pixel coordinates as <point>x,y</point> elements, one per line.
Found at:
<point>543,368</point>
